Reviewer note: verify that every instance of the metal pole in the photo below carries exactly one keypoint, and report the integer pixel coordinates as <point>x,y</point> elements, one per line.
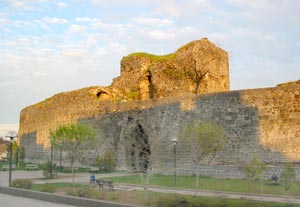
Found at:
<point>51,170</point>
<point>10,161</point>
<point>174,163</point>
<point>60,156</point>
<point>51,156</point>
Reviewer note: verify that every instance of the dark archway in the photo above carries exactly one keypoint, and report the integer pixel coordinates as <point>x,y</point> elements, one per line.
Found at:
<point>138,149</point>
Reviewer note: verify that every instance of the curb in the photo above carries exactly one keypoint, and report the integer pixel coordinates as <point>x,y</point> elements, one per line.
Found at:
<point>68,200</point>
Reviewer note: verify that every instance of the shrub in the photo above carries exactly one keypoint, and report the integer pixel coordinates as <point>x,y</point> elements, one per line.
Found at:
<point>20,183</point>
<point>108,163</point>
<point>287,177</point>
<point>48,188</point>
<point>48,169</point>
<point>179,201</point>
<point>254,169</point>
<point>82,192</point>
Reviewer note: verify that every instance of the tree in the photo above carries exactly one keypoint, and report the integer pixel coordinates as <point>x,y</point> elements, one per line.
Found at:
<point>204,141</point>
<point>254,171</point>
<point>287,177</point>
<point>197,73</point>
<point>73,139</point>
<point>48,169</point>
<point>107,163</point>
<point>19,154</point>
<point>199,64</point>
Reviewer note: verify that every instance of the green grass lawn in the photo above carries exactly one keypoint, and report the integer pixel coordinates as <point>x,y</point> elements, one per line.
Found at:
<point>171,200</point>
<point>154,199</point>
<point>42,187</point>
<point>207,183</point>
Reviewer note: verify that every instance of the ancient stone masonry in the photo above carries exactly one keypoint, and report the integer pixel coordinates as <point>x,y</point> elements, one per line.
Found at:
<point>153,76</point>
<point>137,119</point>
<point>143,76</point>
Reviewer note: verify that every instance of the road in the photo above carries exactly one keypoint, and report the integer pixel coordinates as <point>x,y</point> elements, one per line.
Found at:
<point>14,201</point>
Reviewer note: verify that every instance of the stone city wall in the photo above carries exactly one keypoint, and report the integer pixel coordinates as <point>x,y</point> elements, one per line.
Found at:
<point>261,122</point>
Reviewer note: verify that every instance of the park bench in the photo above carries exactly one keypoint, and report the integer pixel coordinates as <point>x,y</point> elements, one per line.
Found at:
<point>69,169</point>
<point>105,183</point>
<point>6,167</point>
<point>31,167</point>
<point>93,169</point>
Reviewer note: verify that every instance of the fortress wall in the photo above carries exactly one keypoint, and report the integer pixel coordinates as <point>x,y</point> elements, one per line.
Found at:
<point>262,122</point>
<point>279,118</point>
<point>175,74</point>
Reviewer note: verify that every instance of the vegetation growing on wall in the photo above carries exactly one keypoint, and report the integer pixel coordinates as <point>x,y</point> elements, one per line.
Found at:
<point>174,73</point>
<point>132,95</point>
<point>154,58</point>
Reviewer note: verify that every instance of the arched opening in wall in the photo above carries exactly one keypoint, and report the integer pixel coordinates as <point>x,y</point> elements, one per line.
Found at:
<point>138,150</point>
<point>150,86</point>
<point>102,95</point>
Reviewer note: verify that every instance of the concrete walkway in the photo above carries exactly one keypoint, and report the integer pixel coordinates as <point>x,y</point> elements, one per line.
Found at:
<point>85,177</point>
<point>79,178</point>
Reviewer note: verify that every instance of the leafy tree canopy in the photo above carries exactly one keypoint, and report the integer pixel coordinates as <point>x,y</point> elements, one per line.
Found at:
<point>73,139</point>
<point>204,139</point>
<point>254,169</point>
<point>71,134</point>
<point>287,177</point>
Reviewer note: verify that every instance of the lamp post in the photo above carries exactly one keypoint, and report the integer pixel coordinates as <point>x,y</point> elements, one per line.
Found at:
<point>174,140</point>
<point>60,158</point>
<point>51,158</point>
<point>12,135</point>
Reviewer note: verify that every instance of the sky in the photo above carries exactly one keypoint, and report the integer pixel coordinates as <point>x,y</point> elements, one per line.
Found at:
<point>51,46</point>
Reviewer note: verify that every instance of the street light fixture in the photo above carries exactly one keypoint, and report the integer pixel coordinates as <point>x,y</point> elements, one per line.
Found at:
<point>12,135</point>
<point>174,140</point>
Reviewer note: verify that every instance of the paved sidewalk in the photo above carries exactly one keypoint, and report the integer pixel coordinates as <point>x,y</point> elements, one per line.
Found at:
<point>19,175</point>
<point>79,178</point>
<point>36,176</point>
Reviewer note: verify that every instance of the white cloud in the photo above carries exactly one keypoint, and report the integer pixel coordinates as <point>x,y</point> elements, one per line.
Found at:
<point>55,20</point>
<point>75,54</point>
<point>4,128</point>
<point>151,21</point>
<point>97,24</point>
<point>75,28</point>
<point>84,19</point>
<point>4,24</point>
<point>40,73</point>
<point>22,24</point>
<point>27,4</point>
<point>172,10</point>
<point>160,35</point>
<point>5,21</point>
<point>45,53</point>
<point>117,2</point>
<point>61,5</point>
<point>17,4</point>
<point>19,42</point>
